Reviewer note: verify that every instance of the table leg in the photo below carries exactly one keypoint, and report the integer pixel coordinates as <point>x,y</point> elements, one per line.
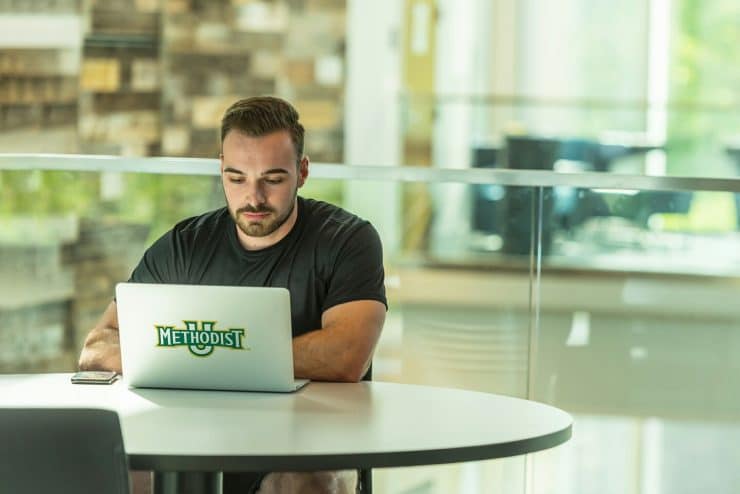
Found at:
<point>188,483</point>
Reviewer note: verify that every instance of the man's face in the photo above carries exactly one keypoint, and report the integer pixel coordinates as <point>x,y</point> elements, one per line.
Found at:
<point>261,179</point>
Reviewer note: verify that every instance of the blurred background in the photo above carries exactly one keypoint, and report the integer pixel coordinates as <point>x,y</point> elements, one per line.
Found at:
<point>615,303</point>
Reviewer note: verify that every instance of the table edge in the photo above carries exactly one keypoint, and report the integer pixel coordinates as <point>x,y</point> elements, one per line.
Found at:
<point>332,461</point>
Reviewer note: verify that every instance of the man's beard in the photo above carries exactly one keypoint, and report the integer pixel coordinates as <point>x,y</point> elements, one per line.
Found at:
<point>266,226</point>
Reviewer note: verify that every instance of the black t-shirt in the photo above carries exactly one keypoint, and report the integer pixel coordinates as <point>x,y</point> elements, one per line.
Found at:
<point>329,257</point>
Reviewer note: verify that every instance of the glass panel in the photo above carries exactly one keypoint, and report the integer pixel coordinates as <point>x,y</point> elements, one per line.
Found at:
<point>68,237</point>
<point>634,320</point>
<point>638,336</point>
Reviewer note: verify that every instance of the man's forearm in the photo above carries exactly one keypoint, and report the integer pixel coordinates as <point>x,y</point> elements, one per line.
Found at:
<point>101,351</point>
<point>323,356</point>
<point>343,348</point>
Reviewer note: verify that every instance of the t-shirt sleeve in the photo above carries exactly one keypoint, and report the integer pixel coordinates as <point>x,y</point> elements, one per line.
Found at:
<point>358,270</point>
<point>160,263</point>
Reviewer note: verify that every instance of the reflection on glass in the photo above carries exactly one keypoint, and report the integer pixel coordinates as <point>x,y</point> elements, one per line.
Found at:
<point>635,331</point>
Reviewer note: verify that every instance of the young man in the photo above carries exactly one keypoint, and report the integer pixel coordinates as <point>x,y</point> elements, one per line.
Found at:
<point>329,259</point>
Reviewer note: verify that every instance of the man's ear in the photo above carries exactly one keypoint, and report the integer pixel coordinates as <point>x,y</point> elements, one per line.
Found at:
<point>221,159</point>
<point>303,171</point>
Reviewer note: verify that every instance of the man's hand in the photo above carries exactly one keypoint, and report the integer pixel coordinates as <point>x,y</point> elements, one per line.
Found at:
<point>342,349</point>
<point>102,350</point>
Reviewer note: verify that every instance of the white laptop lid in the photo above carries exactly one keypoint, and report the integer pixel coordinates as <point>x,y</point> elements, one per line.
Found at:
<point>206,337</point>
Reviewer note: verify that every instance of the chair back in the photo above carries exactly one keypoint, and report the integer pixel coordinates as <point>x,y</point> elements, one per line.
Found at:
<point>62,451</point>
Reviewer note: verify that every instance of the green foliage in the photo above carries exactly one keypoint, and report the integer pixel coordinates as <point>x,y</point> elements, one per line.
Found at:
<point>47,192</point>
<point>163,200</point>
<point>705,82</point>
<point>159,201</point>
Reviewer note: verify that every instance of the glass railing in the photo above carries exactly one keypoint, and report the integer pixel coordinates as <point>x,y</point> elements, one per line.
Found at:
<point>610,296</point>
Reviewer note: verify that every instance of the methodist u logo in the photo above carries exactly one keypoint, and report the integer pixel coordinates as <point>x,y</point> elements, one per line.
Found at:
<point>200,337</point>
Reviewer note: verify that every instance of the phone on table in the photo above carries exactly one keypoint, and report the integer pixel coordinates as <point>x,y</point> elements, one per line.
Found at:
<point>95,377</point>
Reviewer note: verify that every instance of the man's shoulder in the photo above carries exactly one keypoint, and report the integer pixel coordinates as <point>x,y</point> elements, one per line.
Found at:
<point>324,215</point>
<point>333,228</point>
<point>205,224</point>
<point>187,245</point>
<point>211,219</point>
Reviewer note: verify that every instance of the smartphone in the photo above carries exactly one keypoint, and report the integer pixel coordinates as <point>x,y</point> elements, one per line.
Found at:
<point>94,377</point>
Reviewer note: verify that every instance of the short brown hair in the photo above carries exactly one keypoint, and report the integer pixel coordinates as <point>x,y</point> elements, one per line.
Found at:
<point>262,115</point>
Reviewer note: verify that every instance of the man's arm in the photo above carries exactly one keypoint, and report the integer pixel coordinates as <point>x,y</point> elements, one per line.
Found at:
<point>342,349</point>
<point>102,350</point>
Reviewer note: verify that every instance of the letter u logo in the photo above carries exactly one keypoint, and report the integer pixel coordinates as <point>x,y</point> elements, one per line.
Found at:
<point>205,349</point>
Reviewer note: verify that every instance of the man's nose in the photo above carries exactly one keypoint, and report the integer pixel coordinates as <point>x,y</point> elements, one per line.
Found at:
<point>255,194</point>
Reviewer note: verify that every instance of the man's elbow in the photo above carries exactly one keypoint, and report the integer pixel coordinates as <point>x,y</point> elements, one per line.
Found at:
<point>86,361</point>
<point>354,368</point>
<point>89,356</point>
<point>100,351</point>
<point>350,376</point>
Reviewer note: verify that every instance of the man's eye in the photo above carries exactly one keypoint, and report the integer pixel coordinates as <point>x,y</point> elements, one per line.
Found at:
<point>236,180</point>
<point>273,181</point>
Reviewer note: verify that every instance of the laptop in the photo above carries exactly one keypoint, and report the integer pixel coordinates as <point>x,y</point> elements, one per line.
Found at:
<point>206,337</point>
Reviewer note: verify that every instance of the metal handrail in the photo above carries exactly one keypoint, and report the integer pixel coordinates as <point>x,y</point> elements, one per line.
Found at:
<point>522,178</point>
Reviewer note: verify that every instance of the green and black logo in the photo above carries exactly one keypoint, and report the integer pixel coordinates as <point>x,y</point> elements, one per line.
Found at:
<point>200,337</point>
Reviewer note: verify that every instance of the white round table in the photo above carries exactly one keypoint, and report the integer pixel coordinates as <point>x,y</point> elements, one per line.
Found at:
<point>324,426</point>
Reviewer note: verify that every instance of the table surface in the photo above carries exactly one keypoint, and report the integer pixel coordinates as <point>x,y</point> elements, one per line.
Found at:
<point>322,426</point>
